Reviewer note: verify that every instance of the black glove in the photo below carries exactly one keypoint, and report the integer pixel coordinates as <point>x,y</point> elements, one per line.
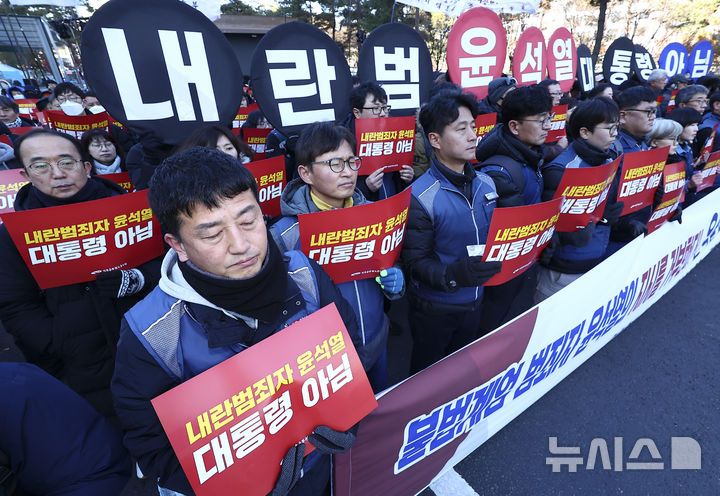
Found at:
<point>578,238</point>
<point>637,228</point>
<point>612,212</point>
<point>154,149</point>
<point>329,441</point>
<point>290,470</point>
<point>677,215</point>
<point>470,271</point>
<point>659,193</point>
<point>547,254</point>
<point>120,283</point>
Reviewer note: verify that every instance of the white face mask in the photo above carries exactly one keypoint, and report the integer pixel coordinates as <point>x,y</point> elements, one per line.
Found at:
<point>72,108</point>
<point>97,109</point>
<point>18,96</point>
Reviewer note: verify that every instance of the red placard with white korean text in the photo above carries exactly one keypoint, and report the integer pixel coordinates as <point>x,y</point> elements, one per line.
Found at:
<point>707,149</point>
<point>562,60</point>
<point>10,183</point>
<point>585,191</point>
<point>27,107</point>
<point>242,115</point>
<point>673,193</point>
<point>385,143</point>
<point>710,171</point>
<point>76,125</point>
<point>518,235</point>
<point>671,103</point>
<point>484,123</point>
<point>557,126</point>
<point>641,173</point>
<point>248,411</point>
<point>121,178</point>
<point>474,55</point>
<point>357,242</point>
<point>73,243</point>
<point>21,130</point>
<point>271,181</point>
<point>529,64</point>
<point>256,138</point>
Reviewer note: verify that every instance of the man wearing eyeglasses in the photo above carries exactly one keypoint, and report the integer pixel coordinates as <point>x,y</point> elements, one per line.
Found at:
<point>709,121</point>
<point>693,96</point>
<point>369,101</point>
<point>328,167</point>
<point>512,154</point>
<point>69,331</point>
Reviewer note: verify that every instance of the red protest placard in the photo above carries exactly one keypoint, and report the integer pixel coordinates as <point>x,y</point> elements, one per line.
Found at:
<point>585,191</point>
<point>256,138</point>
<point>707,149</point>
<point>529,63</point>
<point>517,235</point>
<point>671,102</point>
<point>121,178</point>
<point>484,123</point>
<point>357,242</point>
<point>247,411</point>
<point>641,175</point>
<point>10,183</point>
<point>385,143</point>
<point>76,125</point>
<point>557,126</point>
<point>73,243</point>
<point>674,187</point>
<point>22,130</point>
<point>27,107</point>
<point>242,115</point>
<point>271,181</point>
<point>711,169</point>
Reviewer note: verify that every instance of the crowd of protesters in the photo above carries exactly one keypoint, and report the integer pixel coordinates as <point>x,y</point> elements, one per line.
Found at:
<point>103,349</point>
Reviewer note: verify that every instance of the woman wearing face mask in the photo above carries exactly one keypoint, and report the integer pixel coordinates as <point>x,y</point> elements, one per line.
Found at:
<point>10,114</point>
<point>101,147</point>
<point>222,139</point>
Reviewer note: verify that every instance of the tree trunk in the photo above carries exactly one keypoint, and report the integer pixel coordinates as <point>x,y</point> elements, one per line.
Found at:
<point>600,29</point>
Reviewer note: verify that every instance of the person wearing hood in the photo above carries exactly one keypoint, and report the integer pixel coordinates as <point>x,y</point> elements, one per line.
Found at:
<point>10,114</point>
<point>16,92</point>
<point>512,155</point>
<point>224,287</point>
<point>498,89</point>
<point>69,331</point>
<point>328,176</point>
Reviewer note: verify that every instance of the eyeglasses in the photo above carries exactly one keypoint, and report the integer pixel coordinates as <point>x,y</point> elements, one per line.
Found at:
<point>703,101</point>
<point>648,112</point>
<point>69,96</point>
<point>379,110</point>
<point>612,129</point>
<point>101,144</point>
<point>545,121</point>
<point>338,164</point>
<point>557,93</point>
<point>41,168</point>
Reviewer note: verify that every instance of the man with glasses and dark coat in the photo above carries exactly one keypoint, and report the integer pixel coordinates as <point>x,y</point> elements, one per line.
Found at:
<point>70,331</point>
<point>328,167</point>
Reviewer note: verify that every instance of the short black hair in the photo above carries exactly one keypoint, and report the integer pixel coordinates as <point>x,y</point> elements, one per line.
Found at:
<point>685,116</point>
<point>591,113</point>
<point>6,102</point>
<point>444,87</point>
<point>360,93</point>
<point>196,176</point>
<point>321,137</point>
<point>254,118</point>
<point>632,97</point>
<point>445,109</point>
<point>42,131</point>
<point>64,87</point>
<point>547,82</point>
<point>524,102</point>
<point>208,137</point>
<point>89,136</point>
<point>714,97</point>
<point>599,88</point>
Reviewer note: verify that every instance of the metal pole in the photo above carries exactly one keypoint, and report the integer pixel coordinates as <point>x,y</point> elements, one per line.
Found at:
<point>14,47</point>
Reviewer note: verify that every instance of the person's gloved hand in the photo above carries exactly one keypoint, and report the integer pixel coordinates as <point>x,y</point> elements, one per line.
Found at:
<point>578,238</point>
<point>677,215</point>
<point>637,228</point>
<point>470,271</point>
<point>391,280</point>
<point>329,441</point>
<point>548,252</point>
<point>154,149</point>
<point>120,283</point>
<point>290,470</point>
<point>612,212</point>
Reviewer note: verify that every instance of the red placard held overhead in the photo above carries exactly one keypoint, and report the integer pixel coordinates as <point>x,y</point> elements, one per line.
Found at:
<point>271,181</point>
<point>385,143</point>
<point>557,126</point>
<point>357,242</point>
<point>121,178</point>
<point>562,58</point>
<point>517,235</point>
<point>529,64</point>
<point>585,191</point>
<point>674,189</point>
<point>242,115</point>
<point>476,50</point>
<point>641,175</point>
<point>710,171</point>
<point>10,183</point>
<point>73,243</point>
<point>248,411</point>
<point>76,125</point>
<point>256,138</point>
